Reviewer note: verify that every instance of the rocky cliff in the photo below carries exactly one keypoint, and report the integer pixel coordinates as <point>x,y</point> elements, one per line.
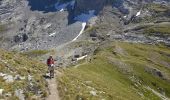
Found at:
<point>83,6</point>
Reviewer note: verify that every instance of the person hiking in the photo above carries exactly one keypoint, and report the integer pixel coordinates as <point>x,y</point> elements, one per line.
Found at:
<point>50,63</point>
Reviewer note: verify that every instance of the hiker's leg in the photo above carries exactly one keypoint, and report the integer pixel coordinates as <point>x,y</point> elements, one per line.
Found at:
<point>53,73</point>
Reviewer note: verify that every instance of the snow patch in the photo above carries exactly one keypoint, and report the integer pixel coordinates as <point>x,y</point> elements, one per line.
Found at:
<point>52,34</point>
<point>80,58</point>
<point>85,17</point>
<point>83,28</point>
<point>61,10</point>
<point>62,7</point>
<point>138,13</point>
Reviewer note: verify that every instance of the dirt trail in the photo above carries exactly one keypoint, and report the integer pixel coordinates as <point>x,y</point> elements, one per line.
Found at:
<point>54,94</point>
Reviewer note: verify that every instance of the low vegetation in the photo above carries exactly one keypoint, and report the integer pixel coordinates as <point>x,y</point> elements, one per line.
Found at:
<point>163,29</point>
<point>36,53</point>
<point>119,71</point>
<point>158,8</point>
<point>2,27</point>
<point>27,75</point>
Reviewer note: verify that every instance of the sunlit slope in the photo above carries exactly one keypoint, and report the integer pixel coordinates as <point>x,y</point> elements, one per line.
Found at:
<point>120,71</point>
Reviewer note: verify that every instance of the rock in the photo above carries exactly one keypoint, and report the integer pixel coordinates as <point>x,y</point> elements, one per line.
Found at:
<point>93,93</point>
<point>8,78</point>
<point>30,78</point>
<point>155,72</point>
<point>8,94</point>
<point>18,77</point>
<point>93,34</point>
<point>24,37</point>
<point>2,74</point>
<point>18,38</point>
<point>1,92</point>
<point>19,94</point>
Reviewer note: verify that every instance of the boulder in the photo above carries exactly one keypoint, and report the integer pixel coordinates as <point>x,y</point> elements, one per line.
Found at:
<point>1,92</point>
<point>8,78</point>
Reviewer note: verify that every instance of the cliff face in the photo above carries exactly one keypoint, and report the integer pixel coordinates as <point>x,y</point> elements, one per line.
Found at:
<point>86,5</point>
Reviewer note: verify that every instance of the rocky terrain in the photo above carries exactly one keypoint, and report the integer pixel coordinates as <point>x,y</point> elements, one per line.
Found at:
<point>122,42</point>
<point>26,26</point>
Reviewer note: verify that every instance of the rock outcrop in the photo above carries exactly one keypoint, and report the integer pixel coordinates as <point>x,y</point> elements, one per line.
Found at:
<point>83,6</point>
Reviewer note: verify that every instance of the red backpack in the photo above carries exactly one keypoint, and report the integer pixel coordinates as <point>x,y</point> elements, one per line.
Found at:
<point>50,61</point>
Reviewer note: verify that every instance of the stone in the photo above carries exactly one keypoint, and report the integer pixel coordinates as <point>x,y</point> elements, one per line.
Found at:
<point>19,94</point>
<point>8,78</point>
<point>93,93</point>
<point>2,74</point>
<point>30,77</point>
<point>8,94</point>
<point>1,92</point>
<point>17,77</point>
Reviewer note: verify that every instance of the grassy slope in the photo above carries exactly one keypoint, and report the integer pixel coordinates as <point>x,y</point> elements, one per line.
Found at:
<point>161,29</point>
<point>118,72</point>
<point>14,64</point>
<point>158,8</point>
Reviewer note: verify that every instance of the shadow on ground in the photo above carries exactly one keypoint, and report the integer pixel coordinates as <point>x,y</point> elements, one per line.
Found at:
<point>43,5</point>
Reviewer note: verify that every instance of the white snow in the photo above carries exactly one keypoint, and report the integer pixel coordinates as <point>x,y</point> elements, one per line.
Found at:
<point>124,16</point>
<point>52,34</point>
<point>62,7</point>
<point>61,10</point>
<point>83,27</point>
<point>80,58</point>
<point>138,13</point>
<point>85,17</point>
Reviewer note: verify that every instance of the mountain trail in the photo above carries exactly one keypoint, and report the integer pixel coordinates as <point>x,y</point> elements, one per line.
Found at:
<point>54,93</point>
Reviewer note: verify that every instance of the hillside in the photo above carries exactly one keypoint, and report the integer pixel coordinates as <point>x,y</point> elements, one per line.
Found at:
<point>102,49</point>
<point>119,71</point>
<point>21,77</point>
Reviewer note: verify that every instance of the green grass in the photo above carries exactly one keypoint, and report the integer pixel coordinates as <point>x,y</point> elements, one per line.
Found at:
<point>2,28</point>
<point>111,71</point>
<point>17,64</point>
<point>162,29</point>
<point>36,53</point>
<point>157,7</point>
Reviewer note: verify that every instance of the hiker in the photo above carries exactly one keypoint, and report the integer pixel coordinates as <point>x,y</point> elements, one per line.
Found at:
<point>50,63</point>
